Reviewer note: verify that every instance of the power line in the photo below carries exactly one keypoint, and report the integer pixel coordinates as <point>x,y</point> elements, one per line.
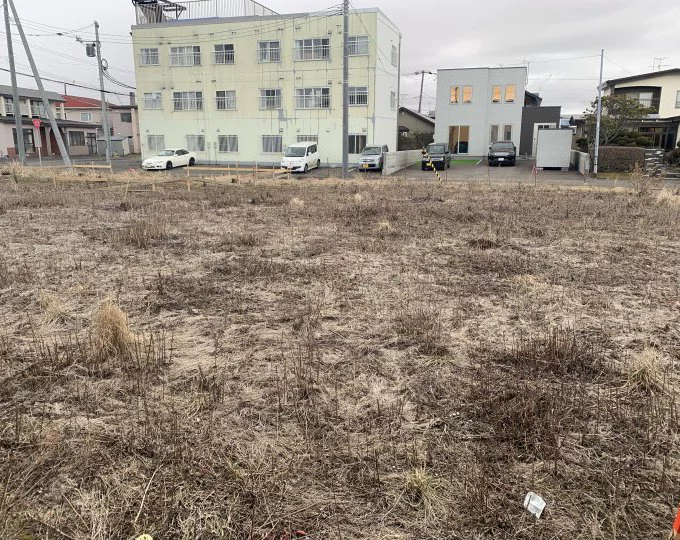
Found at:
<point>65,82</point>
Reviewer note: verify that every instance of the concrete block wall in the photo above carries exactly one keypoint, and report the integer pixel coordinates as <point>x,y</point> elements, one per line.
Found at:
<point>396,161</point>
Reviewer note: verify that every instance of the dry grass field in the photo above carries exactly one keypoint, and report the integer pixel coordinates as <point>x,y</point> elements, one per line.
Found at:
<point>364,359</point>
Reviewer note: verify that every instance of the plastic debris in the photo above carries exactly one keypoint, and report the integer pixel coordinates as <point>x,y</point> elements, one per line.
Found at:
<point>144,537</point>
<point>534,503</point>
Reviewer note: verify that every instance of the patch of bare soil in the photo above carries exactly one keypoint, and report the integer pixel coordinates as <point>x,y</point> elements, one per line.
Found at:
<point>367,359</point>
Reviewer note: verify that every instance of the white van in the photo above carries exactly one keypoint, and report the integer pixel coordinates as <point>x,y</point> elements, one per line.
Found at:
<point>301,157</point>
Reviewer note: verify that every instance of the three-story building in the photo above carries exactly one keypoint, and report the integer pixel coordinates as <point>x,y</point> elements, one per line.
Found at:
<point>240,88</point>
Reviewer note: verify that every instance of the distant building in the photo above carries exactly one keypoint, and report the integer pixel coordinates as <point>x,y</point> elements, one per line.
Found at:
<point>411,121</point>
<point>123,119</point>
<point>660,91</point>
<point>235,82</point>
<point>41,140</point>
<point>535,118</point>
<point>478,106</point>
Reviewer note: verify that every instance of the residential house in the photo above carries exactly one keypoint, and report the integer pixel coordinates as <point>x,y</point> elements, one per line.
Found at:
<point>123,119</point>
<point>478,106</point>
<point>40,140</point>
<point>411,121</point>
<point>535,117</point>
<point>660,92</point>
<point>237,82</point>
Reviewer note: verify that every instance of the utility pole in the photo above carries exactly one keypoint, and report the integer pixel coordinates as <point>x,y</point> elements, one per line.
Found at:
<point>21,148</point>
<point>105,108</point>
<point>48,108</point>
<point>422,83</point>
<point>345,89</point>
<point>599,115</point>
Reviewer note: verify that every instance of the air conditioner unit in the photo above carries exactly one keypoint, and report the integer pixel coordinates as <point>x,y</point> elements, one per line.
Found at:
<point>280,130</point>
<point>330,82</point>
<point>363,130</point>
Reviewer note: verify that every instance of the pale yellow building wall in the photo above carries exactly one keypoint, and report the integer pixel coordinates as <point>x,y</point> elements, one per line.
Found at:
<point>670,86</point>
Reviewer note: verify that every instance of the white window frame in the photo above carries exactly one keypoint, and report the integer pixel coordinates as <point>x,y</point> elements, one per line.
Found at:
<point>358,46</point>
<point>152,142</point>
<point>224,55</point>
<point>275,146</point>
<point>149,57</point>
<point>313,98</point>
<point>454,89</point>
<point>505,131</point>
<point>313,49</point>
<point>231,146</point>
<point>267,52</point>
<point>196,143</point>
<point>9,106</point>
<point>395,56</point>
<point>514,88</point>
<point>185,55</point>
<point>308,138</point>
<point>355,137</point>
<point>358,95</point>
<point>467,87</point>
<point>393,100</point>
<point>500,95</point>
<point>80,135</point>
<point>497,129</point>
<point>270,99</point>
<point>153,100</point>
<point>225,100</point>
<point>86,117</point>
<point>187,101</point>
<point>677,100</point>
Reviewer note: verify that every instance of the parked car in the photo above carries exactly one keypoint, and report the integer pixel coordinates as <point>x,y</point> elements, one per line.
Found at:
<point>301,157</point>
<point>440,155</point>
<point>502,152</point>
<point>169,159</point>
<point>373,157</point>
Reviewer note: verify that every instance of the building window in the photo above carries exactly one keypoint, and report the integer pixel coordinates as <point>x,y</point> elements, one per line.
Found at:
<point>225,100</point>
<point>149,57</point>
<point>196,143</point>
<point>358,95</point>
<point>224,54</point>
<point>153,100</point>
<point>459,139</point>
<point>358,46</point>
<point>677,100</point>
<point>313,98</point>
<point>270,98</point>
<point>507,132</point>
<point>269,51</point>
<point>312,49</point>
<point>395,56</point>
<point>156,143</point>
<point>455,94</point>
<point>227,143</point>
<point>357,143</point>
<point>126,117</point>
<point>29,141</point>
<point>38,109</point>
<point>308,138</point>
<point>494,133</point>
<point>496,94</point>
<point>272,144</point>
<point>86,117</point>
<point>510,93</point>
<point>9,106</point>
<point>187,101</point>
<point>185,56</point>
<point>76,138</point>
<point>111,131</point>
<point>393,100</point>
<point>467,94</point>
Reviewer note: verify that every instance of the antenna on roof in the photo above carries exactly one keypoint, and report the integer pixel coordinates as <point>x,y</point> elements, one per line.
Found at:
<point>658,63</point>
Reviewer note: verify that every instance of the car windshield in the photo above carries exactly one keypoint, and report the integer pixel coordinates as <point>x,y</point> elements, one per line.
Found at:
<point>502,147</point>
<point>436,148</point>
<point>295,151</point>
<point>372,151</point>
<point>165,153</point>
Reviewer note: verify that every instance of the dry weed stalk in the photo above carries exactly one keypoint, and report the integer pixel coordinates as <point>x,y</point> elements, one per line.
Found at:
<point>53,307</point>
<point>112,331</point>
<point>645,373</point>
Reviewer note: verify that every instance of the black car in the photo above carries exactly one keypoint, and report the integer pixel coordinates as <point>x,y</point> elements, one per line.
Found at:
<point>439,154</point>
<point>502,152</point>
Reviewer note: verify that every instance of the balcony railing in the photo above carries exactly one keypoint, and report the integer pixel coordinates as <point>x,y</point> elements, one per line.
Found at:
<point>224,57</point>
<point>167,11</point>
<point>315,52</point>
<point>225,103</point>
<point>270,102</point>
<point>651,103</point>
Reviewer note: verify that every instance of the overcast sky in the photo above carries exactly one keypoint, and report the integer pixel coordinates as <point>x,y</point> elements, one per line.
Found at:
<point>437,34</point>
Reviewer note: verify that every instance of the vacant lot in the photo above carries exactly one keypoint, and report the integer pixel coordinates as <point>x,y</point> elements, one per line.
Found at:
<point>366,359</point>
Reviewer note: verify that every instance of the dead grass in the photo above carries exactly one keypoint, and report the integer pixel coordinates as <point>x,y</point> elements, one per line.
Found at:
<point>369,362</point>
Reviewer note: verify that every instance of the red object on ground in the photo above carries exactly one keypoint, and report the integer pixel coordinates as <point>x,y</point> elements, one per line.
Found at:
<point>676,524</point>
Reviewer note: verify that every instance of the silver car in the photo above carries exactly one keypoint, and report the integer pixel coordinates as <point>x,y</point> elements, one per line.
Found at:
<point>373,157</point>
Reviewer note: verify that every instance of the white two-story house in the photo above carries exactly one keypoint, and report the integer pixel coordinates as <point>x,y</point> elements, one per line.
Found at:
<point>660,92</point>
<point>478,106</point>
<point>236,82</point>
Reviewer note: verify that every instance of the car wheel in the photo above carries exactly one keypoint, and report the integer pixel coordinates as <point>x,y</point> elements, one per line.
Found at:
<point>318,163</point>
<point>192,162</point>
<point>306,168</point>
<point>423,167</point>
<point>168,165</point>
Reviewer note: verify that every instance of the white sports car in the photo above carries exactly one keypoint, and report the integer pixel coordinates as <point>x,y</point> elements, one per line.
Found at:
<point>170,158</point>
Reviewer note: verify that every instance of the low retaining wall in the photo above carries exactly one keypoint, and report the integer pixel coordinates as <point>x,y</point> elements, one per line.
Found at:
<point>580,161</point>
<point>396,161</point>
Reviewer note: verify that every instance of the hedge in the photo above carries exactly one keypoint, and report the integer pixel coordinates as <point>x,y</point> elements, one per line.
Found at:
<point>620,158</point>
